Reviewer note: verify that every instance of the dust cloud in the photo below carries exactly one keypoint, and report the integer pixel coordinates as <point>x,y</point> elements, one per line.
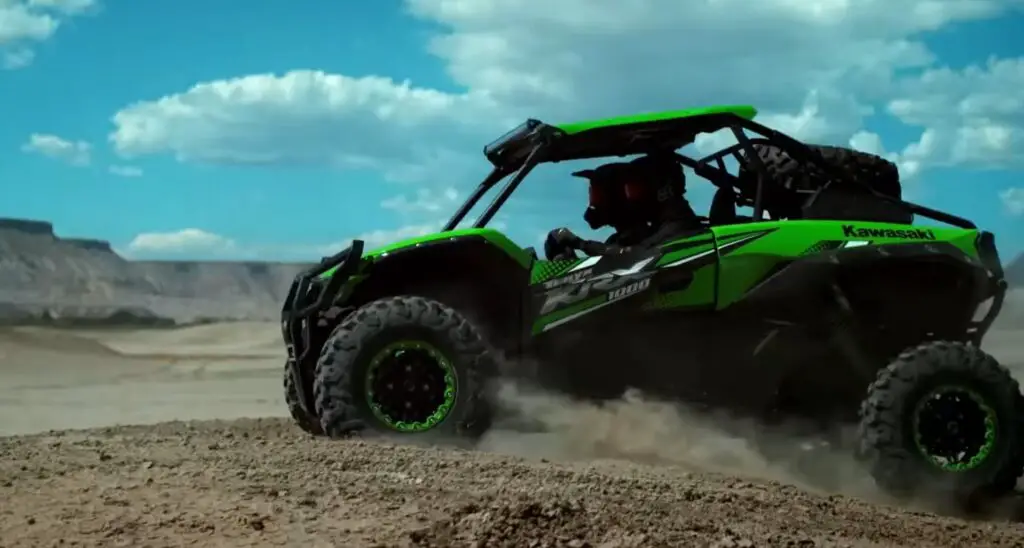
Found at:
<point>537,423</point>
<point>540,424</point>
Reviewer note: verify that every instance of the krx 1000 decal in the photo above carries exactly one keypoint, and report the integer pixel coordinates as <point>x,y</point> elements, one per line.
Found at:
<point>617,284</point>
<point>576,293</point>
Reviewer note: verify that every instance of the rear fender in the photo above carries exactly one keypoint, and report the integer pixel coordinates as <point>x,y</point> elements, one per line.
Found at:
<point>878,280</point>
<point>859,307</point>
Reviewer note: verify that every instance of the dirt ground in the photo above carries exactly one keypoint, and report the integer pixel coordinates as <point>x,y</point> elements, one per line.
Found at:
<point>636,473</point>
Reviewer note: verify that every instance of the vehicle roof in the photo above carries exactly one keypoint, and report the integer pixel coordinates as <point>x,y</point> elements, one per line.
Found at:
<point>619,136</point>
<point>641,133</point>
<point>744,111</point>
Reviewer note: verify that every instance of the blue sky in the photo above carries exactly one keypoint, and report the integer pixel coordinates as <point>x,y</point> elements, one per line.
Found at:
<point>282,129</point>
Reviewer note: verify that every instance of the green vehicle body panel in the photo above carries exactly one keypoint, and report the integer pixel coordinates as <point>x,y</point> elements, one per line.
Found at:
<point>744,111</point>
<point>739,271</point>
<point>736,273</point>
<point>719,283</point>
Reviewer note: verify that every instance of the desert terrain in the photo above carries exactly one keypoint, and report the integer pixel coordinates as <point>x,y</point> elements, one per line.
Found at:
<point>172,437</point>
<point>175,436</point>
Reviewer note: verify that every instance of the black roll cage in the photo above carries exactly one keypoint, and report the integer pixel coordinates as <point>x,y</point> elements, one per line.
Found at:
<point>544,141</point>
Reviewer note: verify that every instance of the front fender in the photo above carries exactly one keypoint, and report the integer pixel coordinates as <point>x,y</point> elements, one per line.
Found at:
<point>464,266</point>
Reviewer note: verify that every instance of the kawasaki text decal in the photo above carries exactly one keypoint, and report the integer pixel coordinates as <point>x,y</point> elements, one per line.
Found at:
<point>853,231</point>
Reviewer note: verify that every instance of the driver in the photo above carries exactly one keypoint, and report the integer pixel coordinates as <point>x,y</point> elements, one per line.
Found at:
<point>606,207</point>
<point>644,200</point>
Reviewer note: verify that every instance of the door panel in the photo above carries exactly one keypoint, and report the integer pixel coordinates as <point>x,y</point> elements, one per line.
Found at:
<point>745,257</point>
<point>565,291</point>
<point>681,274</point>
<point>604,323</point>
<point>687,274</point>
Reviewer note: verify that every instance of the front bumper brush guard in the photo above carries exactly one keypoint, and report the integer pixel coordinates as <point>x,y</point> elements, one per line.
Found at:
<point>306,297</point>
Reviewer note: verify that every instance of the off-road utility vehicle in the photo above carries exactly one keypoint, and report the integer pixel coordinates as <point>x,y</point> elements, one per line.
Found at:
<point>835,308</point>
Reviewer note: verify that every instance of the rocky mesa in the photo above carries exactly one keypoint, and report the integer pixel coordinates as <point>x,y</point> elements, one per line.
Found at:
<point>52,280</point>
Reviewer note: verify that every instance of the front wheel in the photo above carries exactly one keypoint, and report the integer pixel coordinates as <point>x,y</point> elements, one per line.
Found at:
<point>306,422</point>
<point>944,420</point>
<point>406,365</point>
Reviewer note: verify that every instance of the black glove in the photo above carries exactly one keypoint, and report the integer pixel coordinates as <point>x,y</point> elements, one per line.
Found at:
<point>565,237</point>
<point>559,243</point>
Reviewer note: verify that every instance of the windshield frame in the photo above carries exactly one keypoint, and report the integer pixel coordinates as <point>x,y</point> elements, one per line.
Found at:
<point>492,179</point>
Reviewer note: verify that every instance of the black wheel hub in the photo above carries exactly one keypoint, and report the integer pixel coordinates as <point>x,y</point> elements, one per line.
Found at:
<point>954,429</point>
<point>408,386</point>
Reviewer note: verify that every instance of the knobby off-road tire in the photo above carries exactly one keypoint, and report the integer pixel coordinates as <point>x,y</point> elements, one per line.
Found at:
<point>888,443</point>
<point>875,171</point>
<point>305,421</point>
<point>792,180</point>
<point>341,372</point>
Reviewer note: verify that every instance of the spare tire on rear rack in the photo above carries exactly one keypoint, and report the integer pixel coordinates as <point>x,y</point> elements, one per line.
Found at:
<point>792,183</point>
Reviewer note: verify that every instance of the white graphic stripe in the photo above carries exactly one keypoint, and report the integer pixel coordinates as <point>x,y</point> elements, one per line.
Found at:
<point>712,251</point>
<point>587,263</point>
<point>685,260</point>
<point>572,317</point>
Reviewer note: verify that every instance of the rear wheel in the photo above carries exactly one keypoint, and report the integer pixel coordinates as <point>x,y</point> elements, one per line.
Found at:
<point>405,365</point>
<point>944,419</point>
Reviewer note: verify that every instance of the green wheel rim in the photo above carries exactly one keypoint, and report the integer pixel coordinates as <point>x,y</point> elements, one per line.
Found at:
<point>989,436</point>
<point>437,359</point>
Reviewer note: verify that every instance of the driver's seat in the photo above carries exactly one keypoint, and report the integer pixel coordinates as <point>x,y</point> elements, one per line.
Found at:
<point>723,208</point>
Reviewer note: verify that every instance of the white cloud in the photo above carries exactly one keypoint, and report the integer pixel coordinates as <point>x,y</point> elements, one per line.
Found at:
<point>301,117</point>
<point>19,23</point>
<point>125,171</point>
<point>23,22</point>
<point>972,117</point>
<point>76,153</point>
<point>817,67</point>
<point>185,240</point>
<point>1013,200</point>
<point>866,141</point>
<point>660,54</point>
<point>198,243</point>
<point>70,7</point>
